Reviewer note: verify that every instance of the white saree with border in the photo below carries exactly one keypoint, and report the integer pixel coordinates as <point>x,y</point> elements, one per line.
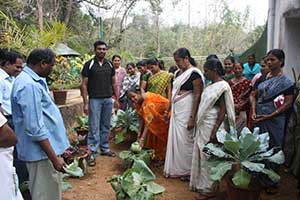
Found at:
<point>180,140</point>
<point>207,114</point>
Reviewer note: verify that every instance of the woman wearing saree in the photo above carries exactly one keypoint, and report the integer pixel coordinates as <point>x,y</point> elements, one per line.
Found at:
<point>160,81</point>
<point>187,89</point>
<point>131,81</point>
<point>241,89</point>
<point>216,101</point>
<point>151,108</point>
<point>273,100</point>
<point>229,65</point>
<point>120,73</point>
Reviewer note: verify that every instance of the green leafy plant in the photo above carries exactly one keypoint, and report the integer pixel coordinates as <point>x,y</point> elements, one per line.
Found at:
<point>65,74</point>
<point>73,169</point>
<point>136,153</point>
<point>127,121</point>
<point>136,183</point>
<point>245,156</point>
<point>65,185</point>
<point>82,122</point>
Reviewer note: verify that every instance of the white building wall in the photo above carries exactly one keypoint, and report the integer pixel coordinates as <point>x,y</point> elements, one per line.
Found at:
<point>284,31</point>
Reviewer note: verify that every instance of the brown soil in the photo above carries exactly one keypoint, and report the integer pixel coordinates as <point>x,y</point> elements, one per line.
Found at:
<point>93,186</point>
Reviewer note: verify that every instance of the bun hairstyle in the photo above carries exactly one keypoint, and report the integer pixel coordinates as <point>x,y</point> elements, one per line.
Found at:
<point>279,54</point>
<point>183,53</point>
<point>215,65</point>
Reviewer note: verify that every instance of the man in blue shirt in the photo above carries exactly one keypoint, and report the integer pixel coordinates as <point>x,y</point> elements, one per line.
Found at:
<point>11,65</point>
<point>39,126</point>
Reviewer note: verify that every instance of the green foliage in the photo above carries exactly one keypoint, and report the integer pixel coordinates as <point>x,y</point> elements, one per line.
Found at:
<point>134,39</point>
<point>246,152</point>
<point>135,147</point>
<point>73,169</point>
<point>130,156</point>
<point>136,183</point>
<point>82,122</point>
<point>128,121</point>
<point>66,72</point>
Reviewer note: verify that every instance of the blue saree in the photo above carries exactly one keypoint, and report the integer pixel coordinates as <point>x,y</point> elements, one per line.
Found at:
<point>267,92</point>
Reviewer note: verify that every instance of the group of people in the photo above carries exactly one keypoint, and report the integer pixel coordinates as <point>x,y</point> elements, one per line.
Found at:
<point>181,111</point>
<point>31,123</point>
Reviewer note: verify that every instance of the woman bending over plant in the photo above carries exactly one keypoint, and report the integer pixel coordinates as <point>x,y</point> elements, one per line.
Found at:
<point>151,108</point>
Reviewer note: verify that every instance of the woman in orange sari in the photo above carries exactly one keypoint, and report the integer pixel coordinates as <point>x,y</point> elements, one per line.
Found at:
<point>151,108</point>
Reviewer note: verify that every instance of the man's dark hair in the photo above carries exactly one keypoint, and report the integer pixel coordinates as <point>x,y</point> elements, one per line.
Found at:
<point>11,57</point>
<point>40,55</point>
<point>99,42</point>
<point>2,56</point>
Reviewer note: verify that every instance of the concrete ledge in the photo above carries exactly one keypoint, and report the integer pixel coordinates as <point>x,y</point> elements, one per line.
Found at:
<point>70,111</point>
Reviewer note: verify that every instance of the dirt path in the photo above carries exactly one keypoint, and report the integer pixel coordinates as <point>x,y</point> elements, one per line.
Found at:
<point>94,186</point>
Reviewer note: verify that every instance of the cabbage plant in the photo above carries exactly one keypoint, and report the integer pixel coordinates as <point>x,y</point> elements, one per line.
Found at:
<point>128,121</point>
<point>245,155</point>
<point>136,153</point>
<point>137,183</point>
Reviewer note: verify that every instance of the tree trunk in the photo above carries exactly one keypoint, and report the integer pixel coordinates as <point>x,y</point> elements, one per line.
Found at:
<point>40,14</point>
<point>69,12</point>
<point>157,33</point>
<point>54,4</point>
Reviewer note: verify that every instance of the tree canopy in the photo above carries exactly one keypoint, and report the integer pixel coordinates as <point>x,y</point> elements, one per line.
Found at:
<point>31,23</point>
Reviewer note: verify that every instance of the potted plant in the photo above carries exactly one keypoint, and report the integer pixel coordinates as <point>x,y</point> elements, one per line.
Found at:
<point>242,161</point>
<point>82,129</point>
<point>124,123</point>
<point>65,76</point>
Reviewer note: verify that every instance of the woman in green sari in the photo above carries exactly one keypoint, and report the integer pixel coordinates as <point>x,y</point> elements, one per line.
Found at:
<point>160,81</point>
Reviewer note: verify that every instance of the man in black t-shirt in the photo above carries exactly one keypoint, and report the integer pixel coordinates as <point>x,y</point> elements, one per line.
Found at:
<point>98,83</point>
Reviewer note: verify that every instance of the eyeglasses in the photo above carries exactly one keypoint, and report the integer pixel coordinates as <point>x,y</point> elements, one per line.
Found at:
<point>103,49</point>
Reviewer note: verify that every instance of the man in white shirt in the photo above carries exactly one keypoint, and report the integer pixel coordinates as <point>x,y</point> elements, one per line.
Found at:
<point>9,189</point>
<point>11,66</point>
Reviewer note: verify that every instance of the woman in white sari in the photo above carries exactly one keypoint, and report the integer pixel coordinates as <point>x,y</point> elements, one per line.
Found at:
<point>186,92</point>
<point>216,101</point>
